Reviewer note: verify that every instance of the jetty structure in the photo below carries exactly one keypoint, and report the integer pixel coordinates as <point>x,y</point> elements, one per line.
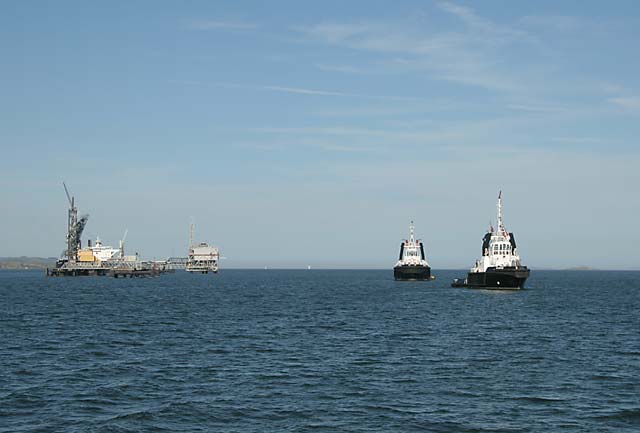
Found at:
<point>202,257</point>
<point>500,266</point>
<point>97,260</point>
<point>412,264</point>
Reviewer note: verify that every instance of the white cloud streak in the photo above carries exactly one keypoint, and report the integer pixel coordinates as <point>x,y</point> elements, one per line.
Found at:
<point>297,90</point>
<point>221,25</point>
<point>303,91</point>
<point>627,103</point>
<point>469,55</point>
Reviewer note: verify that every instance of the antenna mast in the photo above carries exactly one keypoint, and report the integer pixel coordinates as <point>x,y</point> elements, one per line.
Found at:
<point>500,225</point>
<point>411,232</point>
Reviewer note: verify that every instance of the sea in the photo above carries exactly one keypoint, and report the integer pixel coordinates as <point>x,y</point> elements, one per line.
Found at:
<point>319,351</point>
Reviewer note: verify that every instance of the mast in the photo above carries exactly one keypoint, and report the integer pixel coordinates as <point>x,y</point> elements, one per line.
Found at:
<point>411,238</point>
<point>500,225</point>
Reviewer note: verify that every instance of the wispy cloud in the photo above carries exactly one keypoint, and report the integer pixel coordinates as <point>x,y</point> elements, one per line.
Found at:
<point>348,149</point>
<point>394,110</point>
<point>347,69</point>
<point>303,91</point>
<point>517,61</point>
<point>322,143</point>
<point>570,24</point>
<point>442,136</point>
<point>611,88</point>
<point>539,107</point>
<point>582,140</point>
<point>297,90</point>
<point>627,103</point>
<point>380,37</point>
<point>557,23</point>
<point>220,25</point>
<point>467,54</point>
<point>475,21</point>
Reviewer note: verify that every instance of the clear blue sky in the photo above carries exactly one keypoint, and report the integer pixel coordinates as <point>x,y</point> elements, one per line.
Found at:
<point>302,133</point>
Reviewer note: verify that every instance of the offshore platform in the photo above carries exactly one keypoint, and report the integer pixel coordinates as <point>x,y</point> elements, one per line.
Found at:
<point>202,257</point>
<point>98,260</point>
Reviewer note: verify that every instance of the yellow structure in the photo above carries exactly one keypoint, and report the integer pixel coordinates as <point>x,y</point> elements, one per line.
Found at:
<point>86,256</point>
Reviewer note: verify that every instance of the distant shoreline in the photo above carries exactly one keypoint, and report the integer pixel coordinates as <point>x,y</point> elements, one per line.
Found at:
<point>14,263</point>
<point>38,263</point>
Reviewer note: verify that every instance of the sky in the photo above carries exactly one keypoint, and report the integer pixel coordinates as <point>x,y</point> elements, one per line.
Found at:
<point>312,133</point>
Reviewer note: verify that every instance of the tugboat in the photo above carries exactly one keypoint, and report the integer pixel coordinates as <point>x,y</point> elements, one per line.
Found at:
<point>500,266</point>
<point>411,265</point>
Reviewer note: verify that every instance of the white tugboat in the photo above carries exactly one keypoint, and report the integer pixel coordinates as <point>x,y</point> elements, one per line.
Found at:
<point>412,264</point>
<point>500,266</point>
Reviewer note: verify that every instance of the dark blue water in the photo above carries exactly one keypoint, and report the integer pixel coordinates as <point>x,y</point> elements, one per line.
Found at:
<point>318,351</point>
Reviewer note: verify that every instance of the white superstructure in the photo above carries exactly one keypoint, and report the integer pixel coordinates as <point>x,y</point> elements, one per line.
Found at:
<point>412,251</point>
<point>103,253</point>
<point>499,247</point>
<point>202,257</point>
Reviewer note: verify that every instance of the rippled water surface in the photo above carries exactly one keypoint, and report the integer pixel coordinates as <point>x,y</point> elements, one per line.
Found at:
<point>321,351</point>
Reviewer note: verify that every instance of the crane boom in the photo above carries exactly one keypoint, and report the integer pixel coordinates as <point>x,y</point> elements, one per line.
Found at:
<point>67,192</point>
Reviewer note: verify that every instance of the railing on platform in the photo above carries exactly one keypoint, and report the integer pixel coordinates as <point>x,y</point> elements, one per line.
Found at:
<point>176,262</point>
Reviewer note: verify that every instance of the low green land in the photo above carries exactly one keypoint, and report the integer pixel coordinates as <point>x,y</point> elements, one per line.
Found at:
<point>27,262</point>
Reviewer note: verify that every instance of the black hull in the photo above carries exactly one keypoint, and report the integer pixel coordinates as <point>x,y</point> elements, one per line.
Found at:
<point>496,279</point>
<point>412,273</point>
